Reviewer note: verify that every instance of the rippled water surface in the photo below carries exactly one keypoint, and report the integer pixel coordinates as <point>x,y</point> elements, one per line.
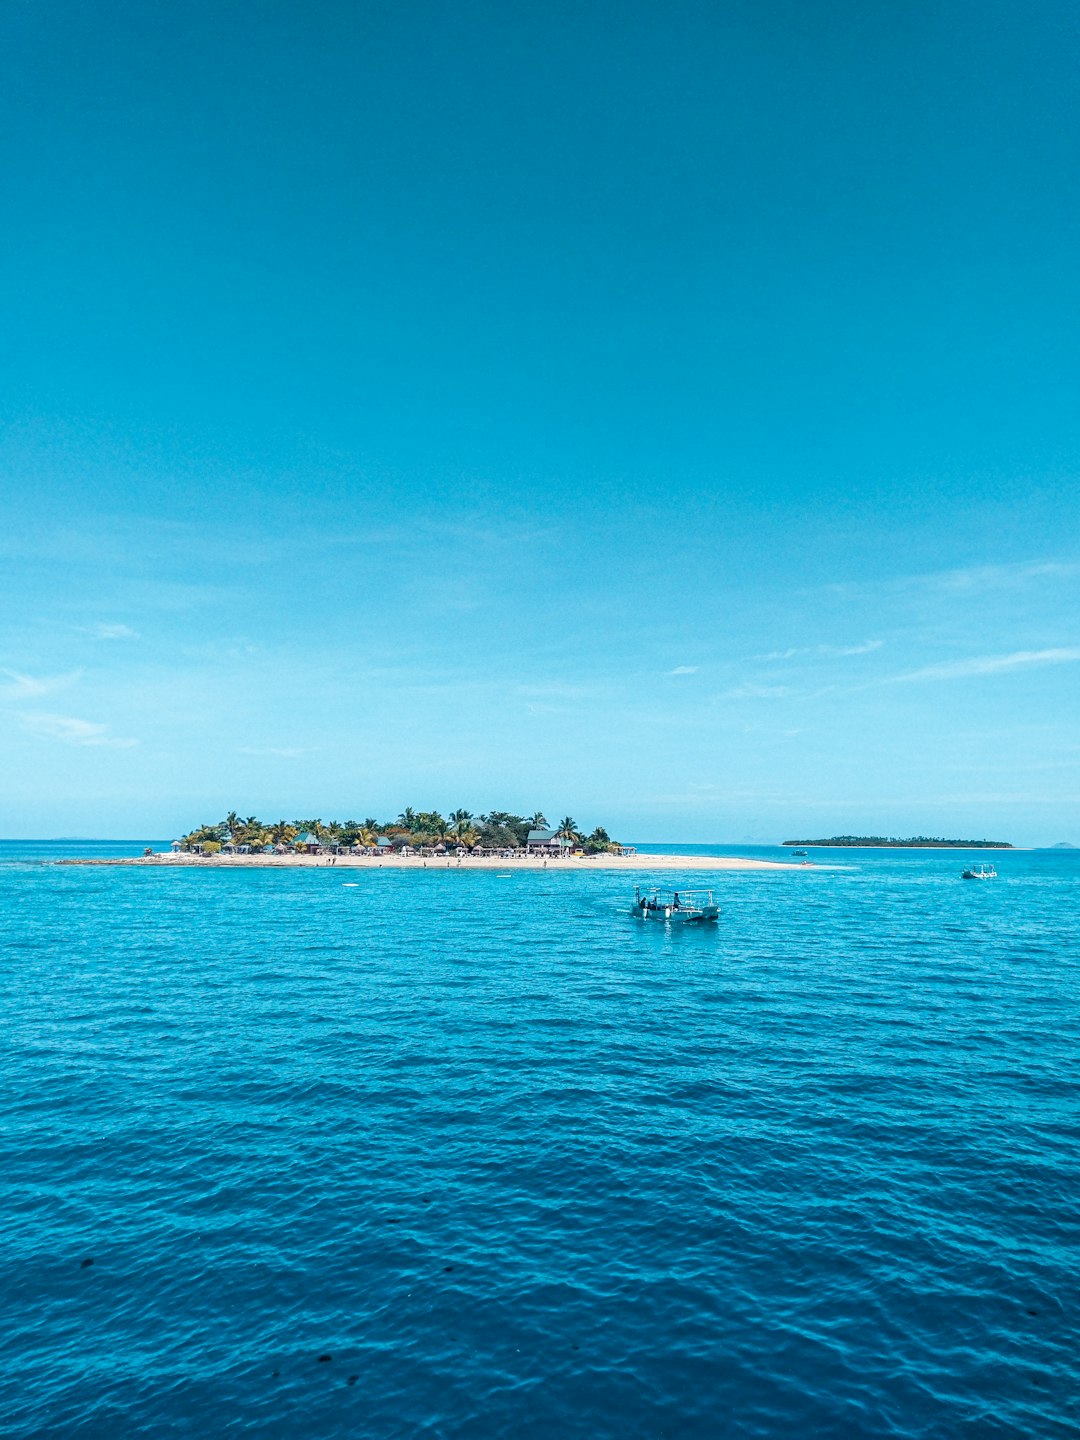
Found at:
<point>452,1155</point>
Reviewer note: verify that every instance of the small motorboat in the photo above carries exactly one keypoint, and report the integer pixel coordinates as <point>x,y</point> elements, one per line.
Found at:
<point>984,872</point>
<point>676,907</point>
<point>798,852</point>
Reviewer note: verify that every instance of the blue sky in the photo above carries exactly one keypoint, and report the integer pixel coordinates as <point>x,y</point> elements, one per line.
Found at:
<point>662,413</point>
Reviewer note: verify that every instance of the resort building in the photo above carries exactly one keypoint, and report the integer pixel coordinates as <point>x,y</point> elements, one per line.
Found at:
<point>546,842</point>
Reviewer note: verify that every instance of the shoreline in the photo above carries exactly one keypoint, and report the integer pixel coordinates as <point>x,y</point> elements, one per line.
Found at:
<point>417,862</point>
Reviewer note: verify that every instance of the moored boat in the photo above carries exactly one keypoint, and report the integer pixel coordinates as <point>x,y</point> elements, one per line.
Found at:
<point>984,872</point>
<point>676,907</point>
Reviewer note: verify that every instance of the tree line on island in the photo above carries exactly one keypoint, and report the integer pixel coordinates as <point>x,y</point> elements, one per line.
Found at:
<point>417,829</point>
<point>917,842</point>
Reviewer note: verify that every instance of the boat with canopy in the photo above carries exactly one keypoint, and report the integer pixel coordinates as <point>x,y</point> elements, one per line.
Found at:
<point>676,907</point>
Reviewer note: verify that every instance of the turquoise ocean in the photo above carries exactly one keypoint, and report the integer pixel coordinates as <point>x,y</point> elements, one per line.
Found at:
<point>315,1153</point>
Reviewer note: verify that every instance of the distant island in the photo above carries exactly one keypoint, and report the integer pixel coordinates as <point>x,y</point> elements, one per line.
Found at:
<point>914,842</point>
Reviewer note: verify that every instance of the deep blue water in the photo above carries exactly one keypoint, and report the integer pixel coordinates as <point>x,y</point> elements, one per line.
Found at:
<point>523,1166</point>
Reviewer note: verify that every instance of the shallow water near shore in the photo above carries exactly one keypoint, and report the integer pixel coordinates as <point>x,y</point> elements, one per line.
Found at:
<point>440,1153</point>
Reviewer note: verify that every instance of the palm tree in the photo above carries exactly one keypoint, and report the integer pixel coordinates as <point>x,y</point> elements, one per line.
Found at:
<point>433,824</point>
<point>233,824</point>
<point>567,828</point>
<point>250,832</point>
<point>538,821</point>
<point>408,818</point>
<point>461,821</point>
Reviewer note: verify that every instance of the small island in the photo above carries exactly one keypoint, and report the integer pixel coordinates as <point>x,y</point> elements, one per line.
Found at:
<point>414,832</point>
<point>417,839</point>
<point>914,842</point>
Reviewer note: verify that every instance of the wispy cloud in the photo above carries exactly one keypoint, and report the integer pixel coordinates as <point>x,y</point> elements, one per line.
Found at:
<point>995,577</point>
<point>990,664</point>
<point>480,531</point>
<point>757,692</point>
<point>104,631</point>
<point>70,730</point>
<point>31,687</point>
<point>968,580</point>
<point>684,670</point>
<point>826,651</point>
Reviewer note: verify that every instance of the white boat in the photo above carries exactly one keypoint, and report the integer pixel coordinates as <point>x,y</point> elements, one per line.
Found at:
<point>984,872</point>
<point>676,907</point>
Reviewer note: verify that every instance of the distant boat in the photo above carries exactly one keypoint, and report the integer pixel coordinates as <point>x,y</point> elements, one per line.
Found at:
<point>984,872</point>
<point>798,852</point>
<point>676,907</point>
